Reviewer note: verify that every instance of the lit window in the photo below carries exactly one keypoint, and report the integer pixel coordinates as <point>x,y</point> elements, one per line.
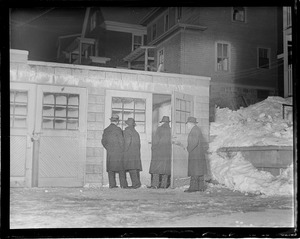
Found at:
<point>222,57</point>
<point>18,109</point>
<point>60,111</point>
<point>238,14</point>
<point>263,58</point>
<point>137,42</point>
<point>130,108</point>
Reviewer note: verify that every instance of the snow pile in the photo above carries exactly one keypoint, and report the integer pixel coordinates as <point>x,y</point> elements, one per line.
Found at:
<point>257,125</point>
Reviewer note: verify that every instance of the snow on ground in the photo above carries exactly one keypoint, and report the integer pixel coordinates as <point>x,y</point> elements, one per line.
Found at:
<point>260,124</point>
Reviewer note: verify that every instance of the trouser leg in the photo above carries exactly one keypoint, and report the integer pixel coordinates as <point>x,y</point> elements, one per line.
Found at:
<point>123,181</point>
<point>112,179</point>
<point>164,181</point>
<point>201,183</point>
<point>155,180</point>
<point>135,178</point>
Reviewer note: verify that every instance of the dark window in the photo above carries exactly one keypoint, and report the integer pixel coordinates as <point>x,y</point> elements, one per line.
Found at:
<point>179,13</point>
<point>239,14</point>
<point>222,57</point>
<point>166,22</point>
<point>182,112</point>
<point>154,31</point>
<point>263,58</point>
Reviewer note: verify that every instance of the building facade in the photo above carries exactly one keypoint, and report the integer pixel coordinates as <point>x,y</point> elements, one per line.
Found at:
<point>235,46</point>
<point>58,113</point>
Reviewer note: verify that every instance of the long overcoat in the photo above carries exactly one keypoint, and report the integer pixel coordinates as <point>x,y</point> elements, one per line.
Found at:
<point>196,159</point>
<point>161,151</point>
<point>113,142</point>
<point>132,149</point>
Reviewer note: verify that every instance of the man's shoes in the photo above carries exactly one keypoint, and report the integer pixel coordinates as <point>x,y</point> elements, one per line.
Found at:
<point>135,187</point>
<point>189,191</point>
<point>153,187</point>
<point>113,186</point>
<point>126,187</point>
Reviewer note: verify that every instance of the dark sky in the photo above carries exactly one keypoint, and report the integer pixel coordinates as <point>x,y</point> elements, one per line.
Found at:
<point>37,29</point>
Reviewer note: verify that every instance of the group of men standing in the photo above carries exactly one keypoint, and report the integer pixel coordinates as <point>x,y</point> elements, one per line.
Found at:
<point>123,154</point>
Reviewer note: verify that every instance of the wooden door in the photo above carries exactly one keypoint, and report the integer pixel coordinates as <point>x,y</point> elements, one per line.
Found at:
<point>135,105</point>
<point>182,108</point>
<point>22,107</point>
<point>61,126</point>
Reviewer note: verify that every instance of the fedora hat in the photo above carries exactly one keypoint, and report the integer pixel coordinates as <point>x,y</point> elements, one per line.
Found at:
<point>165,119</point>
<point>114,118</point>
<point>191,119</point>
<point>130,121</point>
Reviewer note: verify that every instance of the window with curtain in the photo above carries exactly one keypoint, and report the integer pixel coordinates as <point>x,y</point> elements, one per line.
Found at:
<point>222,57</point>
<point>238,14</point>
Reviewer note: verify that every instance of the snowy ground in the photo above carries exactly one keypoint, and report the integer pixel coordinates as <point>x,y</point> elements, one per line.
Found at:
<point>261,124</point>
<point>103,207</point>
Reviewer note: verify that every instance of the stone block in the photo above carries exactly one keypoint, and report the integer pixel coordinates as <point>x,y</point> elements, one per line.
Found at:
<point>92,99</point>
<point>100,117</point>
<point>93,143</point>
<point>160,80</point>
<point>94,161</point>
<point>96,91</point>
<point>100,99</point>
<point>62,71</point>
<point>113,76</point>
<point>44,78</point>
<point>96,75</point>
<point>130,77</point>
<point>90,151</point>
<point>91,116</point>
<point>95,108</point>
<point>98,134</point>
<point>95,125</point>
<point>93,178</point>
<point>91,134</point>
<point>99,151</point>
<point>145,78</point>
<point>80,72</point>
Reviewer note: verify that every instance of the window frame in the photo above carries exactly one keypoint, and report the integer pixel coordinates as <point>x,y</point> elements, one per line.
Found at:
<point>158,58</point>
<point>269,57</point>
<point>133,44</point>
<point>245,15</point>
<point>228,56</point>
<point>15,103</point>
<point>93,21</point>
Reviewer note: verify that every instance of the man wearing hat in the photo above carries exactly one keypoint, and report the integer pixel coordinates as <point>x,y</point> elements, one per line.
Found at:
<point>113,142</point>
<point>160,166</point>
<point>132,153</point>
<point>196,159</point>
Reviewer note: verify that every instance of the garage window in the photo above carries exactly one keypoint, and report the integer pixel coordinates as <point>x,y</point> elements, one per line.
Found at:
<point>130,108</point>
<point>18,108</point>
<point>60,111</point>
<point>183,111</point>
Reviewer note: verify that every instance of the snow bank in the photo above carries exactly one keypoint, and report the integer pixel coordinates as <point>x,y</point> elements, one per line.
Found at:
<point>257,125</point>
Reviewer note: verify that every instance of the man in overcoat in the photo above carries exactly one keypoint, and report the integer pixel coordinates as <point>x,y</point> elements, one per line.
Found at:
<point>160,166</point>
<point>132,153</point>
<point>113,142</point>
<point>197,167</point>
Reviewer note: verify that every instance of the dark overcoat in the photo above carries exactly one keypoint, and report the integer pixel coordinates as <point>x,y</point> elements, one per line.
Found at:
<point>113,142</point>
<point>196,160</point>
<point>161,151</point>
<point>132,149</point>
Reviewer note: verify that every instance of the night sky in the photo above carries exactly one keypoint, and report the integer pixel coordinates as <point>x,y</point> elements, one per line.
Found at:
<point>37,29</point>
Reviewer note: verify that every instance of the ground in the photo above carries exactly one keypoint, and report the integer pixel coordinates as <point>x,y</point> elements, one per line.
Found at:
<point>143,207</point>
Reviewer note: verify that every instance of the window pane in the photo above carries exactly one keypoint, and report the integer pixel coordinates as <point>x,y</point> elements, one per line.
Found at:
<point>182,116</point>
<point>12,96</point>
<point>127,114</point>
<point>73,100</point>
<point>116,102</point>
<point>20,122</point>
<point>60,112</point>
<point>128,103</point>
<point>140,116</point>
<point>140,104</point>
<point>177,116</point>
<point>188,106</point>
<point>72,124</point>
<point>219,50</point>
<point>48,98</point>
<point>117,112</point>
<point>177,104</point>
<point>60,124</point>
<point>20,110</point>
<point>21,97</point>
<point>47,123</point>
<point>140,127</point>
<point>182,128</point>
<point>48,111</point>
<point>182,105</point>
<point>178,128</point>
<point>12,109</point>
<point>225,51</point>
<point>73,112</point>
<point>61,99</point>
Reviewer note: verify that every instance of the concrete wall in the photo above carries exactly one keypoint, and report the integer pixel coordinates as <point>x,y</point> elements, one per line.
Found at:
<point>96,80</point>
